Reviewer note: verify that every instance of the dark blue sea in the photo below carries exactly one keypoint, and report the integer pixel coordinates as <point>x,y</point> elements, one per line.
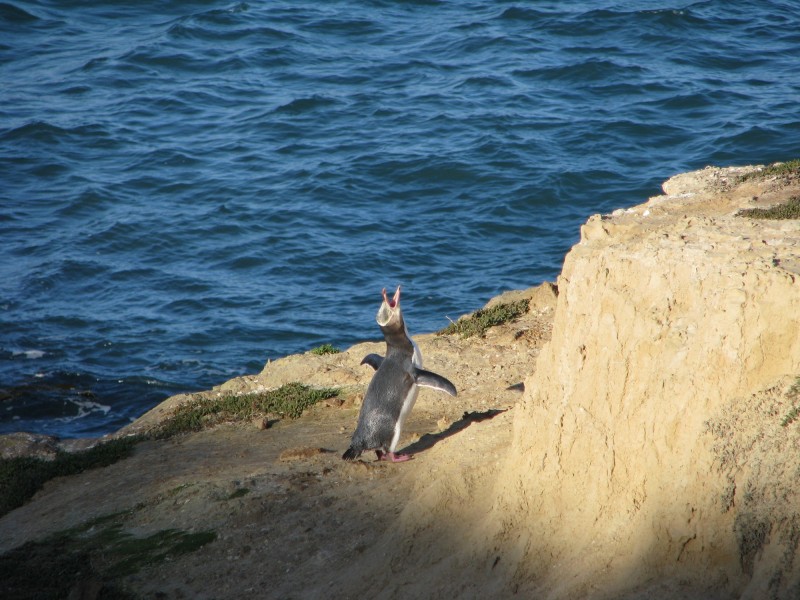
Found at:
<point>188,189</point>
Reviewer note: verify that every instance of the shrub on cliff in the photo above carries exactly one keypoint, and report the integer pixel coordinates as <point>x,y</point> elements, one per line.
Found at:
<point>794,412</point>
<point>325,349</point>
<point>483,319</point>
<point>789,169</point>
<point>787,210</point>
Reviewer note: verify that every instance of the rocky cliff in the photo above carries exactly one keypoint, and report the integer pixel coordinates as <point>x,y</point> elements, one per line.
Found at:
<point>653,454</point>
<point>650,452</point>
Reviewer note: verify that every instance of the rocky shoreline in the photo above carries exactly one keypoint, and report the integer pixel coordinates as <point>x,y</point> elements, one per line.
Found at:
<point>223,480</point>
<point>646,457</point>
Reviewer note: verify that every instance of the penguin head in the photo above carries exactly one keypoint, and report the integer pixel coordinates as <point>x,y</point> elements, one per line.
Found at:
<point>389,314</point>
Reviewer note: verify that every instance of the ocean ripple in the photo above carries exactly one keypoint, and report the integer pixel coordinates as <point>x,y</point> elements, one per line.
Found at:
<point>192,188</point>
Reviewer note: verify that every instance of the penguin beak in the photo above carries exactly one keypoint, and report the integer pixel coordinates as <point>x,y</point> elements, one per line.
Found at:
<point>394,301</point>
<point>388,308</point>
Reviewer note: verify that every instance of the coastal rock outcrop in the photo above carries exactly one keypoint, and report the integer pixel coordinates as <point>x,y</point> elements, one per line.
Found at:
<point>654,454</point>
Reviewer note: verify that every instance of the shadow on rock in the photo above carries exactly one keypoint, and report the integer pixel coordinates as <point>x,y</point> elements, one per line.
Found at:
<point>429,440</point>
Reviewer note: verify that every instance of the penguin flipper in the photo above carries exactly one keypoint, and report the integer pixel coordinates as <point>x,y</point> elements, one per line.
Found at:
<point>432,380</point>
<point>373,360</point>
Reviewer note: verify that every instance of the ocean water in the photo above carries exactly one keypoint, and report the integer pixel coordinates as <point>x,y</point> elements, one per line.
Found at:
<point>188,189</point>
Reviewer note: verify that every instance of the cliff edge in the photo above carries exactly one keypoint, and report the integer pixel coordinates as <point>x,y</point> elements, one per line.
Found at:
<point>651,457</point>
<point>653,453</point>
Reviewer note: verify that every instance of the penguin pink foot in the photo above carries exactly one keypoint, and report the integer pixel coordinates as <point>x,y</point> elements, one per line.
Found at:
<point>393,456</point>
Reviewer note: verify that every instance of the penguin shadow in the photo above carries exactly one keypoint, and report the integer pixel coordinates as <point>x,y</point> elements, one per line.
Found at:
<point>429,440</point>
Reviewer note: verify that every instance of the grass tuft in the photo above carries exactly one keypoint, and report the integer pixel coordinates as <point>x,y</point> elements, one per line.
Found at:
<point>21,478</point>
<point>791,416</point>
<point>325,349</point>
<point>794,412</point>
<point>781,169</point>
<point>480,321</point>
<point>787,210</point>
<point>289,401</point>
<point>239,493</point>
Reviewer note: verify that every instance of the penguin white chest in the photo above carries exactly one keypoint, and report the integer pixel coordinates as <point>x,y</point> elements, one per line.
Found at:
<point>408,404</point>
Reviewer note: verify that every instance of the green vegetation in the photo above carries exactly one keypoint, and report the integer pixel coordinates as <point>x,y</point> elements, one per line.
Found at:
<point>289,400</point>
<point>788,210</point>
<point>325,349</point>
<point>791,416</point>
<point>239,493</point>
<point>480,321</point>
<point>21,478</point>
<point>125,554</point>
<point>794,412</point>
<point>98,551</point>
<point>789,168</point>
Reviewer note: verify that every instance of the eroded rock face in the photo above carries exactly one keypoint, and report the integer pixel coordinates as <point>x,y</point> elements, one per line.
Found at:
<point>649,456</point>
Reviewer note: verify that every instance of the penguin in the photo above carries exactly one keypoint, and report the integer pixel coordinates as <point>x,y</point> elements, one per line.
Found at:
<point>393,390</point>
